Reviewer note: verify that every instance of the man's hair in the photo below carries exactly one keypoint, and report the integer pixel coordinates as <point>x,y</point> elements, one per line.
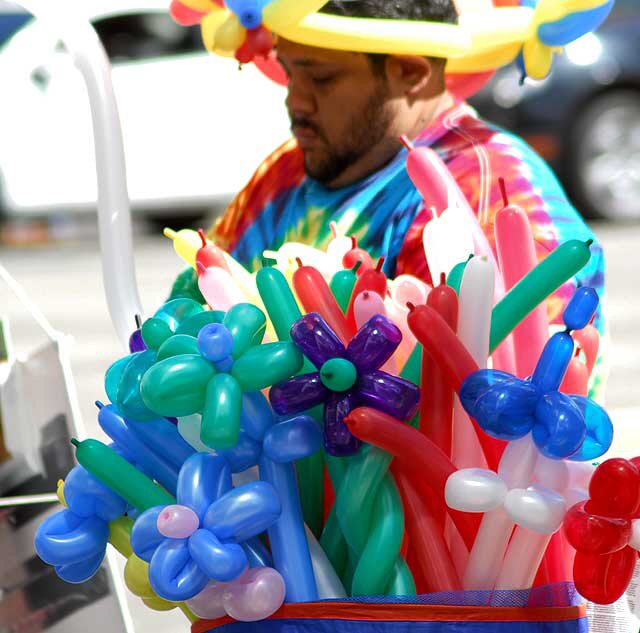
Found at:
<point>424,10</point>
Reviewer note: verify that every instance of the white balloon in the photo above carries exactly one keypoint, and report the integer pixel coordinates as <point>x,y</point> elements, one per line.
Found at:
<point>575,495</point>
<point>536,508</point>
<point>552,473</point>
<point>474,490</point>
<point>328,583</point>
<point>518,462</point>
<point>634,541</point>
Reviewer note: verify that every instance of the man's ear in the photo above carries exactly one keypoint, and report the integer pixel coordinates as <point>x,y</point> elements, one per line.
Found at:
<point>409,74</point>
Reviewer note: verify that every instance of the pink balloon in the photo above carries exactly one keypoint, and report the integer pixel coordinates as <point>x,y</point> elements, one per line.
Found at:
<point>257,594</point>
<point>366,305</point>
<point>208,603</point>
<point>177,521</point>
<point>219,288</point>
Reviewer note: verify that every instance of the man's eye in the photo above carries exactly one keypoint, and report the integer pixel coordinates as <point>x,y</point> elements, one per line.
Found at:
<point>324,80</point>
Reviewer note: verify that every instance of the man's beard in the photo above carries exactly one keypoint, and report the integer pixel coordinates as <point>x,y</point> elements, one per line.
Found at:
<point>365,130</point>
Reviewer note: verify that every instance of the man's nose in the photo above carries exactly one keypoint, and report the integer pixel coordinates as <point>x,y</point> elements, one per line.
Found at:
<point>299,99</point>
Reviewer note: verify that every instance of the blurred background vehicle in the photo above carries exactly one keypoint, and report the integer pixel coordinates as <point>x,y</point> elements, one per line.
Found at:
<point>585,118</point>
<point>195,127</point>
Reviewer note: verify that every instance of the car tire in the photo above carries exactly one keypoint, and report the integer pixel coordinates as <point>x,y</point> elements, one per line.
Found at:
<point>603,159</point>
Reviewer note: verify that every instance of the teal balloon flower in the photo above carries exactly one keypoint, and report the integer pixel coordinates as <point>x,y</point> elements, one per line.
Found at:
<point>209,374</point>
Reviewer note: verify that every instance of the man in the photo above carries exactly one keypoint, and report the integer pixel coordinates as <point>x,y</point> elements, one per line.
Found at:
<point>346,163</point>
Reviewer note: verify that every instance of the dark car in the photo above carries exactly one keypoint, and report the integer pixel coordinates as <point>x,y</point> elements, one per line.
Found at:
<point>585,117</point>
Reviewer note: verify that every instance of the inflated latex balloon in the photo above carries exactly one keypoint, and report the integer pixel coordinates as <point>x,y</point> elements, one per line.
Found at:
<point>536,508</point>
<point>257,594</point>
<point>562,426</point>
<point>603,533</point>
<point>221,516</point>
<point>475,490</point>
<point>346,377</point>
<point>86,496</point>
<point>208,603</point>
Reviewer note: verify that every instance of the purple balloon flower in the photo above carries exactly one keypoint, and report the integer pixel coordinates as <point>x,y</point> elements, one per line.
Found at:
<point>346,378</point>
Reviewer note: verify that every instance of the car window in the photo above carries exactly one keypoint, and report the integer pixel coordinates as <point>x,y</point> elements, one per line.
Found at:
<point>145,36</point>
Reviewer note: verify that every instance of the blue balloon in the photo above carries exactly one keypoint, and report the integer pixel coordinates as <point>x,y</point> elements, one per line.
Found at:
<point>204,478</point>
<point>571,27</point>
<point>249,12</point>
<point>87,496</point>
<point>113,375</point>
<point>559,429</point>
<point>65,538</point>
<point>245,454</point>
<point>256,416</point>
<point>145,536</point>
<point>215,342</point>
<point>257,553</point>
<point>581,308</point>
<point>164,439</point>
<point>173,574</point>
<point>117,427</point>
<point>223,562</point>
<point>292,439</point>
<point>243,512</point>
<point>287,536</point>
<point>76,573</point>
<point>599,430</point>
<point>506,410</point>
<point>553,362</point>
<point>478,382</point>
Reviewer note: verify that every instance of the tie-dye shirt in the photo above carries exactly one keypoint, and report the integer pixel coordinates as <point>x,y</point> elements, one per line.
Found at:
<point>387,214</point>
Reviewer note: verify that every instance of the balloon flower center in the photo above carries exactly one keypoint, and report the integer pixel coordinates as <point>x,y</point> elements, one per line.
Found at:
<point>338,374</point>
<point>177,521</point>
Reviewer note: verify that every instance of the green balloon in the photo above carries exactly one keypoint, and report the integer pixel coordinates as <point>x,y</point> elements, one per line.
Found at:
<point>113,376</point>
<point>383,543</point>
<point>455,276</point>
<point>411,369</point>
<point>174,312</point>
<point>128,397</point>
<point>178,344</point>
<point>176,386</point>
<point>193,324</point>
<point>338,374</point>
<point>265,365</point>
<point>554,270</point>
<point>402,582</point>
<point>246,324</point>
<point>341,285</point>
<point>119,475</point>
<point>334,544</point>
<point>155,332</point>
<point>186,286</point>
<point>357,493</point>
<point>221,414</point>
<point>278,300</point>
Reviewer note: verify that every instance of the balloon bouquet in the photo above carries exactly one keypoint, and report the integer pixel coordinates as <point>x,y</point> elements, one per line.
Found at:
<point>316,431</point>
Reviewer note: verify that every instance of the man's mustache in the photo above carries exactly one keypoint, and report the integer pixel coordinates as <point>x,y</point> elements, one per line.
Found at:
<point>302,122</point>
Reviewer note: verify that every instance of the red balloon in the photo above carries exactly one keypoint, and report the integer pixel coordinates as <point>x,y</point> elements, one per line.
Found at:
<point>603,579</point>
<point>615,489</point>
<point>432,567</point>
<point>184,15</point>
<point>372,280</point>
<point>427,463</point>
<point>436,403</point>
<point>595,534</point>
<point>316,296</point>
<point>209,255</point>
<point>355,255</point>
<point>455,362</point>
<point>270,67</point>
<point>260,41</point>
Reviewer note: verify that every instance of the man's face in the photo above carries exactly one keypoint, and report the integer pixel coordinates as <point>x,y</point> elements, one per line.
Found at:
<point>339,109</point>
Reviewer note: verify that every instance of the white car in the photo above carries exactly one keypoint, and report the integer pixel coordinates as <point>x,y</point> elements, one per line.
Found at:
<point>195,125</point>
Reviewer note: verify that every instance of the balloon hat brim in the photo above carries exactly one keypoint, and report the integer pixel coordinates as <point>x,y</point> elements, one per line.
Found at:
<point>481,42</point>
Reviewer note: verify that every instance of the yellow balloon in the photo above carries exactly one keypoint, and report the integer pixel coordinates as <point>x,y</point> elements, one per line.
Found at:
<point>186,243</point>
<point>209,26</point>
<point>60,493</point>
<point>279,15</point>
<point>230,35</point>
<point>538,58</point>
